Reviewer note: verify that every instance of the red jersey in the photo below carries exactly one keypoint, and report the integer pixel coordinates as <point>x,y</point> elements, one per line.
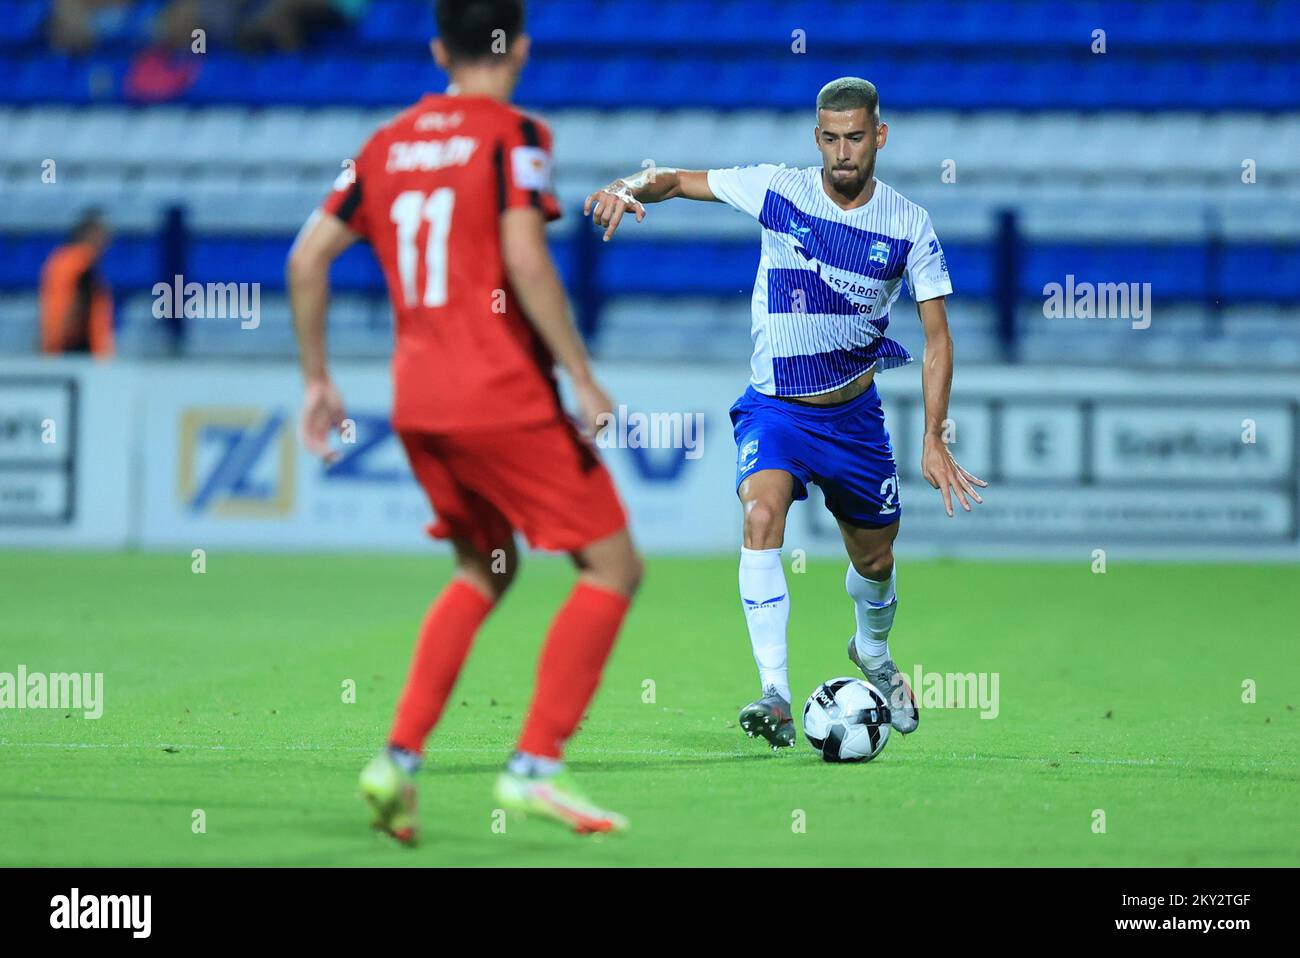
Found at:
<point>427,191</point>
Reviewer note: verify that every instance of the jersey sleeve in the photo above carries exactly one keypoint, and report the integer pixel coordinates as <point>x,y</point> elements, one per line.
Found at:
<point>525,168</point>
<point>743,187</point>
<point>345,200</point>
<point>927,267</point>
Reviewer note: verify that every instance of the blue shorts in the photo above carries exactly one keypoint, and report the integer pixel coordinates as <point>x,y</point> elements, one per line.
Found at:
<point>844,449</point>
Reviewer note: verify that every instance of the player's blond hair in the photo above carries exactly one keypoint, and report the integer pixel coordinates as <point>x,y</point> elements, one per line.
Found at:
<point>849,93</point>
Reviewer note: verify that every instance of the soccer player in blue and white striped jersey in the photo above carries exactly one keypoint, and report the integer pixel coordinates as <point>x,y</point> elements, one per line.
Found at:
<point>837,245</point>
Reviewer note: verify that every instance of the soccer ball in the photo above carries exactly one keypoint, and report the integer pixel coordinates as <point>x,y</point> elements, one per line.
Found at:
<point>846,720</point>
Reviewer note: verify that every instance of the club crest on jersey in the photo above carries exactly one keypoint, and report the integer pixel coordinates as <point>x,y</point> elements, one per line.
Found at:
<point>878,254</point>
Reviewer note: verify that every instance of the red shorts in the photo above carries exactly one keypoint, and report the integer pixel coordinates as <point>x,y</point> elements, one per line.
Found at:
<point>545,481</point>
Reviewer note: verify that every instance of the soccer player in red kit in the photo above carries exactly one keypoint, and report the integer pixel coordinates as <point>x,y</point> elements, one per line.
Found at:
<point>453,196</point>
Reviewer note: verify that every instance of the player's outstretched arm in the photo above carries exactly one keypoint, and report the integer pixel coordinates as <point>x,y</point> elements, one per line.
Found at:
<point>606,206</point>
<point>322,239</point>
<point>938,466</point>
<point>534,280</point>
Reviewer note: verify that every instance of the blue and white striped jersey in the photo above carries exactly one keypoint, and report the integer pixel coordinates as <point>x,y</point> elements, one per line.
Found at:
<point>827,276</point>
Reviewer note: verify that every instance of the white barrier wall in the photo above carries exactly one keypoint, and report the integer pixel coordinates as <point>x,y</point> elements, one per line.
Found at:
<point>222,466</point>
<point>67,429</point>
<point>199,455</point>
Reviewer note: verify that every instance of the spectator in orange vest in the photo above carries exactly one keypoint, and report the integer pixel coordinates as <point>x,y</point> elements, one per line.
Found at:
<point>76,305</point>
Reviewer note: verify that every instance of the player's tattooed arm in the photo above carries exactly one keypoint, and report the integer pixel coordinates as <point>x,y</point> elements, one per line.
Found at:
<point>654,184</point>
<point>938,466</point>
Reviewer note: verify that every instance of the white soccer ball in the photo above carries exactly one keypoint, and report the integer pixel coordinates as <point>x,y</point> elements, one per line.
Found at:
<point>846,720</point>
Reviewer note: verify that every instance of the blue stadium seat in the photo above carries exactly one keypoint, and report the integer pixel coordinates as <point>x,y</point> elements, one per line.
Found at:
<point>1248,272</point>
<point>1259,272</point>
<point>1186,89</point>
<point>1175,271</point>
<point>21,22</point>
<point>132,262</point>
<point>1018,54</point>
<point>723,80</point>
<point>396,23</point>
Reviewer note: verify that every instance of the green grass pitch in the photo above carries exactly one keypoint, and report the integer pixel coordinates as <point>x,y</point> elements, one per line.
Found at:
<point>1119,692</point>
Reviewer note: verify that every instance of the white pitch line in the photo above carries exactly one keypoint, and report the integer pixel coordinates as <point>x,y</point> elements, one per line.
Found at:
<point>641,753</point>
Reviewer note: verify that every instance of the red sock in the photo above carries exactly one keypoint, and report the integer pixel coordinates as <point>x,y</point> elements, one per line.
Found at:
<point>445,638</point>
<point>573,657</point>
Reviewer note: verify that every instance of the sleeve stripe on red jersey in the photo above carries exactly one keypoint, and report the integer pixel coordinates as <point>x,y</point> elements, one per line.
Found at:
<point>531,138</point>
<point>350,203</point>
<point>499,162</point>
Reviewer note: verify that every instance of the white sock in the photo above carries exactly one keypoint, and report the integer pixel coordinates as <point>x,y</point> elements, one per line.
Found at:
<point>873,606</point>
<point>766,602</point>
<point>533,766</point>
<point>408,762</point>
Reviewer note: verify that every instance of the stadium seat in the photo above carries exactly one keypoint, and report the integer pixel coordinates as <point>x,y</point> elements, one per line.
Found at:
<point>1123,166</point>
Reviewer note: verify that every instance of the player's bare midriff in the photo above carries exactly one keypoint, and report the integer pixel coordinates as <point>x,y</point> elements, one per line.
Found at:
<point>836,396</point>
